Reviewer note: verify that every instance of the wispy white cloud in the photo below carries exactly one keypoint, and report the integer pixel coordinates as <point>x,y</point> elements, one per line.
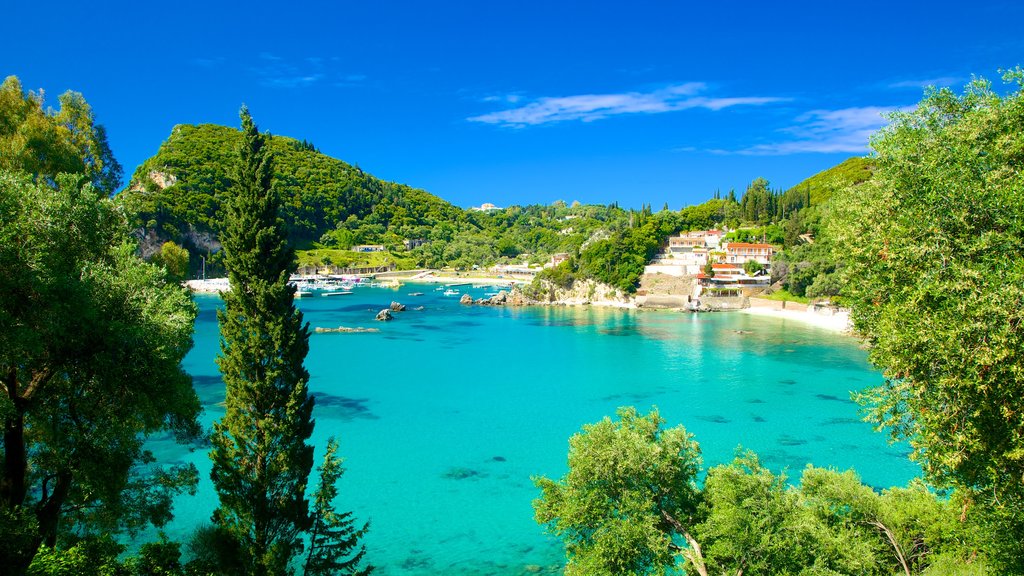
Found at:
<point>504,98</point>
<point>292,81</point>
<point>940,82</point>
<point>825,131</point>
<point>591,107</point>
<point>280,72</point>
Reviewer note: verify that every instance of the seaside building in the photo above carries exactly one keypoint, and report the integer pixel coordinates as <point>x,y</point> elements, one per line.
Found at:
<point>485,207</point>
<point>731,280</point>
<point>686,254</point>
<point>741,252</point>
<point>557,259</point>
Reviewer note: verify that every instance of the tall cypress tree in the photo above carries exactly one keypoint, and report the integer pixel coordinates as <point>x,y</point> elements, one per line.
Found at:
<point>261,461</point>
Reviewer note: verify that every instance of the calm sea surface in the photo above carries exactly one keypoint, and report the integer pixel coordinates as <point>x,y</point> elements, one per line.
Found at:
<point>445,414</point>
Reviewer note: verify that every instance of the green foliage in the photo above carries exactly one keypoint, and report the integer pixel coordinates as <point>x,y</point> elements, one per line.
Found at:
<point>630,505</point>
<point>758,203</point>
<point>46,143</point>
<point>935,278</point>
<point>820,188</point>
<point>91,345</point>
<point>334,538</point>
<point>771,234</point>
<point>261,461</point>
<point>174,259</point>
<point>810,270</point>
<point>751,267</point>
<point>620,259</point>
<point>562,276</point>
<point>89,556</point>
<point>751,521</point>
<point>627,481</point>
<point>183,188</point>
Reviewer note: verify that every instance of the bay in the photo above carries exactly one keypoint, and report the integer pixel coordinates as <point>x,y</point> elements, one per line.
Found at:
<point>445,414</point>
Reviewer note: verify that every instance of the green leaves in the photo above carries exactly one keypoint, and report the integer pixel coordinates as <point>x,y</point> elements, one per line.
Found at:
<point>630,504</point>
<point>261,461</point>
<point>91,343</point>
<point>935,278</point>
<point>624,477</point>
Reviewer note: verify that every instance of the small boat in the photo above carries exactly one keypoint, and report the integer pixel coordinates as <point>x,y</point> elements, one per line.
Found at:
<point>415,293</point>
<point>451,292</point>
<point>341,293</point>
<point>302,293</point>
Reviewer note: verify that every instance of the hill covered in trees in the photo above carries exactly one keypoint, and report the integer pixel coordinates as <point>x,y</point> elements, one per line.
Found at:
<point>179,193</point>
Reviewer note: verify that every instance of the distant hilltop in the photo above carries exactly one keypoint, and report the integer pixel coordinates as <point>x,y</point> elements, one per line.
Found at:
<point>177,194</point>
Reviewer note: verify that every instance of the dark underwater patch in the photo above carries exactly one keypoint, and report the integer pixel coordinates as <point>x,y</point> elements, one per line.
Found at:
<point>205,380</point>
<point>832,398</point>
<point>840,421</point>
<point>715,419</point>
<point>461,473</point>
<point>787,440</point>
<point>342,407</point>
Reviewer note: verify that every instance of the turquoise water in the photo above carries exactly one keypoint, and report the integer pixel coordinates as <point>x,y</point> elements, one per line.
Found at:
<point>444,415</point>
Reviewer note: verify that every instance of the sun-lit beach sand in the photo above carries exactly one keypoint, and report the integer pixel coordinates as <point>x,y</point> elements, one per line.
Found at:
<point>838,321</point>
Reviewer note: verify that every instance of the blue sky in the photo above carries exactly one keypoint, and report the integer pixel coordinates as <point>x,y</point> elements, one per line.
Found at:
<point>520,102</point>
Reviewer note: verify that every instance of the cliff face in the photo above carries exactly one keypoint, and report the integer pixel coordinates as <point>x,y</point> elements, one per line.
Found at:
<point>581,292</point>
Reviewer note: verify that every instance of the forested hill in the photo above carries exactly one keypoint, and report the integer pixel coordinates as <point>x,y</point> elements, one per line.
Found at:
<point>822,185</point>
<point>177,194</point>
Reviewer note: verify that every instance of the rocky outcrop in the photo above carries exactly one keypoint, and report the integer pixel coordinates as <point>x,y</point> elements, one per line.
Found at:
<point>385,315</point>
<point>344,330</point>
<point>583,293</point>
<point>397,307</point>
<point>466,299</point>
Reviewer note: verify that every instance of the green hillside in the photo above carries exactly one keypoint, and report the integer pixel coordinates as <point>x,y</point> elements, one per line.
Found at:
<point>177,194</point>
<point>822,185</point>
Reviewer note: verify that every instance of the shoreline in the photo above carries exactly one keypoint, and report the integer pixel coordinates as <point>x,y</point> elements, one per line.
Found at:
<point>838,322</point>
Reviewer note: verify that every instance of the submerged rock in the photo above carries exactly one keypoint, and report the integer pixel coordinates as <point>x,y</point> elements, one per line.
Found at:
<point>459,473</point>
<point>384,315</point>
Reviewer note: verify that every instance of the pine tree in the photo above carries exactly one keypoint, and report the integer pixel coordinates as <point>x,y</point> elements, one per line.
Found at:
<point>261,461</point>
<point>333,538</point>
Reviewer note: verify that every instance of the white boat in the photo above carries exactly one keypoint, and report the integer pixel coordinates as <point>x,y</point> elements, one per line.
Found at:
<point>341,293</point>
<point>451,292</point>
<point>415,293</point>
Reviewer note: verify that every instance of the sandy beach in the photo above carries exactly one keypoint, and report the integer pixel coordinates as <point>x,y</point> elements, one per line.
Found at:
<point>430,278</point>
<point>836,322</point>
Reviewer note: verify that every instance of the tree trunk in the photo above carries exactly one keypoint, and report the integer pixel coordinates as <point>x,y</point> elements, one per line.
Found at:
<point>895,545</point>
<point>48,510</point>
<point>695,555</point>
<point>12,485</point>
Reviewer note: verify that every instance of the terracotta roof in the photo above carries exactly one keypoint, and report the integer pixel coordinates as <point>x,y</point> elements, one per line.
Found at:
<point>747,245</point>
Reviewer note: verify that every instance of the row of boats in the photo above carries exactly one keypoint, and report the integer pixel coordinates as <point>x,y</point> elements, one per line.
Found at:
<point>333,285</point>
<point>344,285</point>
